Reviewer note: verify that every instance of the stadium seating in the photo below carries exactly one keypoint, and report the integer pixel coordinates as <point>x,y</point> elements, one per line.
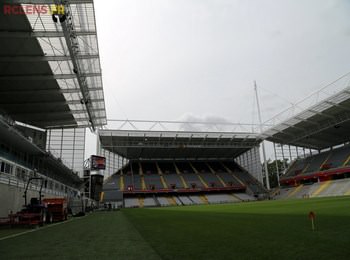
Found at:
<point>170,183</point>
<point>221,198</point>
<point>203,170</point>
<point>328,188</point>
<point>185,200</point>
<point>149,202</point>
<point>244,197</point>
<point>195,199</point>
<point>338,157</point>
<point>316,162</point>
<point>131,202</point>
<point>297,167</point>
<point>192,180</point>
<point>189,175</point>
<point>137,182</point>
<point>181,175</point>
<point>151,177</point>
<point>327,160</point>
<point>163,201</point>
<point>170,176</point>
<point>128,180</point>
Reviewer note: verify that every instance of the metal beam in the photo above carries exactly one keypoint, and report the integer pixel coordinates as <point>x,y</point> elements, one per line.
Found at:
<point>292,126</point>
<point>44,58</point>
<point>85,119</point>
<point>44,92</point>
<point>41,115</point>
<point>338,105</point>
<point>49,103</point>
<point>320,113</point>
<point>45,77</point>
<point>73,48</point>
<point>307,120</point>
<point>55,113</point>
<point>40,34</point>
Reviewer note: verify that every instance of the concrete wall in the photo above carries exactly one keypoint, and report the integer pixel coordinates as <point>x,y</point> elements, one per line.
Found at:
<point>11,198</point>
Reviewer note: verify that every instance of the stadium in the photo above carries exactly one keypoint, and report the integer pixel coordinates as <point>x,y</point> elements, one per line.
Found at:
<point>276,188</point>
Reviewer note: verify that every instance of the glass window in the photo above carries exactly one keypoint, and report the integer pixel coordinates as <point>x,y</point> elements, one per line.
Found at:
<point>18,172</point>
<point>2,167</point>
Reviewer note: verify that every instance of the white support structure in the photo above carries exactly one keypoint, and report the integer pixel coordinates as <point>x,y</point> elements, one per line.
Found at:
<point>262,144</point>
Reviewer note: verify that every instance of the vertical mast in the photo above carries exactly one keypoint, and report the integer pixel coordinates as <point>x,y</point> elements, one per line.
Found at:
<point>262,144</point>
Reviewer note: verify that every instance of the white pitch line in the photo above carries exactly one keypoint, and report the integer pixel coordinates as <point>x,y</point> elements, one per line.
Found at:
<point>37,229</point>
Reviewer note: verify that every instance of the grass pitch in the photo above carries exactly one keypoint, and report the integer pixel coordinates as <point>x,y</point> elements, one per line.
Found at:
<point>259,230</point>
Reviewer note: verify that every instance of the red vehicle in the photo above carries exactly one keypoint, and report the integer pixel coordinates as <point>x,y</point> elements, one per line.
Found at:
<point>57,208</point>
<point>34,213</point>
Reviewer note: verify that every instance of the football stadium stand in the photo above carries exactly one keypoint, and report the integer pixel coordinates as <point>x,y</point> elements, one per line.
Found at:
<point>323,130</point>
<point>164,169</point>
<point>327,165</point>
<point>194,180</point>
<point>330,188</point>
<point>50,81</point>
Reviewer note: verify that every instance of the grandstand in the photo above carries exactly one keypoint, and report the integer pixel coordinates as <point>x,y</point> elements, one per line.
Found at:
<point>51,91</point>
<point>170,164</point>
<point>321,129</point>
<point>180,168</point>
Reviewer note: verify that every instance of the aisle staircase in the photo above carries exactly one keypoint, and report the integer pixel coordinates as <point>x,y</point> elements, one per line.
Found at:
<point>102,195</point>
<point>141,202</point>
<point>346,161</point>
<point>121,182</point>
<point>181,177</point>
<point>233,175</point>
<point>325,161</point>
<point>143,183</point>
<point>235,197</point>
<point>292,192</point>
<point>199,176</point>
<point>171,201</point>
<point>323,185</point>
<point>217,176</point>
<point>162,180</point>
<point>204,199</point>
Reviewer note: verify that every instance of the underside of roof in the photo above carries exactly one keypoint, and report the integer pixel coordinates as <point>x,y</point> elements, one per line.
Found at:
<point>135,145</point>
<point>50,72</point>
<point>323,125</point>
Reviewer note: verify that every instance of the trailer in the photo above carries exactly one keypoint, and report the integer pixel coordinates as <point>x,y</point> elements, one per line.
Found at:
<point>57,208</point>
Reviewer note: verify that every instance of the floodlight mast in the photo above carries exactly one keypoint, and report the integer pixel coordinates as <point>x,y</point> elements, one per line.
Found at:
<point>262,143</point>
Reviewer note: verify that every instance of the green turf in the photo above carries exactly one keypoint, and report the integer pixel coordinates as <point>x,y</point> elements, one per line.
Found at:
<point>260,230</point>
<point>103,235</point>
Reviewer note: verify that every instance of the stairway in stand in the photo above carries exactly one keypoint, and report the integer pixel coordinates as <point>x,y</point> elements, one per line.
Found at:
<point>141,202</point>
<point>204,199</point>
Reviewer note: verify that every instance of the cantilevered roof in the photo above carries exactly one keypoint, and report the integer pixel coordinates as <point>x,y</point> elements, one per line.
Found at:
<point>177,145</point>
<point>322,125</point>
<point>50,74</point>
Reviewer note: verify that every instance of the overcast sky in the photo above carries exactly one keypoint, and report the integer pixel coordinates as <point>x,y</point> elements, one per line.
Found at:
<point>197,59</point>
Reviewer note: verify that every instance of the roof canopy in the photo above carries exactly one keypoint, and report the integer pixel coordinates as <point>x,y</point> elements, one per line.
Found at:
<point>50,71</point>
<point>323,125</point>
<point>135,144</point>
